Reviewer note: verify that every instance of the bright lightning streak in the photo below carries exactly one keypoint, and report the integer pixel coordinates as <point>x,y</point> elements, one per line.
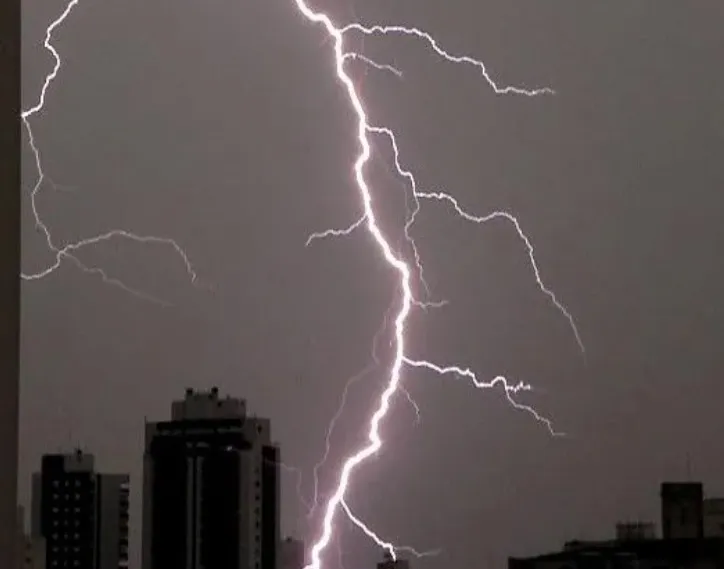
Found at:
<point>364,372</point>
<point>413,404</point>
<point>440,196</point>
<point>336,35</point>
<point>432,42</point>
<point>336,232</point>
<point>330,429</point>
<point>509,389</point>
<point>444,197</point>
<point>68,251</point>
<point>386,545</point>
<point>373,63</point>
<point>54,73</point>
<point>374,437</point>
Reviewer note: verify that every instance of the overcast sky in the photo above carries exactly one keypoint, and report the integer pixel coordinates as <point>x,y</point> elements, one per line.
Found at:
<point>220,124</point>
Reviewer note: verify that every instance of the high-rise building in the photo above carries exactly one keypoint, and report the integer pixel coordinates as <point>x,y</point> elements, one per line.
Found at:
<point>10,141</point>
<point>82,516</point>
<point>211,487</point>
<point>713,517</point>
<point>682,505</point>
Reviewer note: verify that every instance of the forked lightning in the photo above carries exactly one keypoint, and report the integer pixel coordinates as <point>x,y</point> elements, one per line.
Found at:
<point>69,250</point>
<point>406,270</point>
<point>368,219</point>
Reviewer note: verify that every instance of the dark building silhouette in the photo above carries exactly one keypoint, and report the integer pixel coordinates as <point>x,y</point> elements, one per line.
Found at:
<point>682,510</point>
<point>10,193</point>
<point>211,488</point>
<point>635,531</point>
<point>390,563</point>
<point>684,544</point>
<point>647,554</point>
<point>81,516</point>
<point>714,517</point>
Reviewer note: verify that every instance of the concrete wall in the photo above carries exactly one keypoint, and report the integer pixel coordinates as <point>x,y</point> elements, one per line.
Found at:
<point>9,273</point>
<point>112,527</point>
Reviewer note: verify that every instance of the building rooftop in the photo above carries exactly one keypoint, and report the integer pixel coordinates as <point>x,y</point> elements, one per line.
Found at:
<point>670,549</point>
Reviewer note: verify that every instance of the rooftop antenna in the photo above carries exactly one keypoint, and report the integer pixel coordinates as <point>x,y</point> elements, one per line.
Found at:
<point>70,445</point>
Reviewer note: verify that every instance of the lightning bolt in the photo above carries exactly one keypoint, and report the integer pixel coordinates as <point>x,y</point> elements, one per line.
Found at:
<point>69,251</point>
<point>386,545</point>
<point>364,372</point>
<point>369,219</point>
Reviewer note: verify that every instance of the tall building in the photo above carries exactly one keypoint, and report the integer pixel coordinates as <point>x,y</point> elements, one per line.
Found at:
<point>10,141</point>
<point>684,545</point>
<point>682,510</point>
<point>714,517</point>
<point>82,516</point>
<point>210,488</point>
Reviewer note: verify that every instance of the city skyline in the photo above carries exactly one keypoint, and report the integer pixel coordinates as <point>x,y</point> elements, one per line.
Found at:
<point>180,121</point>
<point>687,511</point>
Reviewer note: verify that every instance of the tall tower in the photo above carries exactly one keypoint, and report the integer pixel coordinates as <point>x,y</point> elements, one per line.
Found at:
<point>81,516</point>
<point>682,510</point>
<point>9,273</point>
<point>210,488</point>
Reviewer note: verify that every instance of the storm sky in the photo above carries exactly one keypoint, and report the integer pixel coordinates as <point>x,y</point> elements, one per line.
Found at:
<point>220,124</point>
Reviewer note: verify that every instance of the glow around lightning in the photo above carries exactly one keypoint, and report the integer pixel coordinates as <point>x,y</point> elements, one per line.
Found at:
<point>369,219</point>
<point>69,251</point>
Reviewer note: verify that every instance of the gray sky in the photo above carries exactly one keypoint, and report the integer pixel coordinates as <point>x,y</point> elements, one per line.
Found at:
<point>220,124</point>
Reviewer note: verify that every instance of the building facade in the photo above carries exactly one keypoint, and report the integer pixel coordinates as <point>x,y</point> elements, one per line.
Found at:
<point>714,517</point>
<point>10,141</point>
<point>80,515</point>
<point>682,510</point>
<point>211,488</point>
